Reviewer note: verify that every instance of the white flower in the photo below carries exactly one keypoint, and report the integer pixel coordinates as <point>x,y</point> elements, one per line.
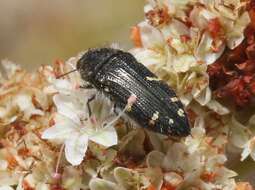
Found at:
<point>239,134</point>
<point>235,33</point>
<point>10,68</point>
<point>6,188</point>
<point>204,50</point>
<point>73,127</point>
<point>24,102</point>
<point>249,149</point>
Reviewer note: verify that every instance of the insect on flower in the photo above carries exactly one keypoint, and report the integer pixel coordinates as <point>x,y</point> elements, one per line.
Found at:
<point>119,76</point>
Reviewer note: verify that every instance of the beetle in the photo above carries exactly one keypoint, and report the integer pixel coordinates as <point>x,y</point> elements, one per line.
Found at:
<point>118,75</point>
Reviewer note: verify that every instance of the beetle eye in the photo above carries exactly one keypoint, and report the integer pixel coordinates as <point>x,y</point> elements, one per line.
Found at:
<point>78,65</point>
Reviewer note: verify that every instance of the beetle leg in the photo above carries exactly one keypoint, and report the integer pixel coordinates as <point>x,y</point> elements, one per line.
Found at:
<point>115,109</point>
<point>88,104</point>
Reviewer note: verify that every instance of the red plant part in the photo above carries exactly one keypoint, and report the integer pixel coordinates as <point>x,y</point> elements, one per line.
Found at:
<point>158,16</point>
<point>214,27</point>
<point>208,176</point>
<point>185,38</point>
<point>151,187</point>
<point>56,187</point>
<point>167,186</point>
<point>26,186</point>
<point>136,36</point>
<point>233,75</point>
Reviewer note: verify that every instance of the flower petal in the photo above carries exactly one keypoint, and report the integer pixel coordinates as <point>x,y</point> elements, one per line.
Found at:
<point>63,86</point>
<point>69,107</point>
<point>217,107</point>
<point>239,135</point>
<point>148,57</point>
<point>204,51</point>
<point>106,137</point>
<point>246,151</point>
<point>184,62</point>
<point>150,36</point>
<point>204,96</point>
<point>235,34</point>
<point>6,188</point>
<point>61,130</point>
<point>101,184</point>
<point>75,148</point>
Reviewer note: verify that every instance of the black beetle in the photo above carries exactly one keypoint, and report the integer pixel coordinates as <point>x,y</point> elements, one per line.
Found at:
<point>119,75</point>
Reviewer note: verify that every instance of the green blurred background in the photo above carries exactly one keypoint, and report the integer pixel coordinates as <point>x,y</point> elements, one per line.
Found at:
<point>37,32</point>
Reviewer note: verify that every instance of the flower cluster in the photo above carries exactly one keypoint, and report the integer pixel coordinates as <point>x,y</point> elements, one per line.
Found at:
<point>179,40</point>
<point>72,124</point>
<point>233,74</point>
<point>204,50</point>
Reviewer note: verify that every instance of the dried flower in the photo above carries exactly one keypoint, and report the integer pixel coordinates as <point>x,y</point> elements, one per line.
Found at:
<point>232,75</point>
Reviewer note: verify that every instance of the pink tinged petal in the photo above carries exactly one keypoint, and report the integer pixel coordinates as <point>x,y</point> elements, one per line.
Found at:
<point>61,130</point>
<point>106,137</point>
<point>75,148</point>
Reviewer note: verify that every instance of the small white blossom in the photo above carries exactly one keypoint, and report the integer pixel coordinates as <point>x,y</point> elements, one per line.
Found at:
<point>74,128</point>
<point>249,149</point>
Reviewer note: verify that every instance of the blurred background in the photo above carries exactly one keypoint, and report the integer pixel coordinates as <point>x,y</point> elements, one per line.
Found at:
<point>37,32</point>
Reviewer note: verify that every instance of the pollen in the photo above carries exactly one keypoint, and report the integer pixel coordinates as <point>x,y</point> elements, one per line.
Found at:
<point>181,112</point>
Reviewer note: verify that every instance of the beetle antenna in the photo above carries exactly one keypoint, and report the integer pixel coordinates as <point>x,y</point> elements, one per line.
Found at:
<point>60,76</point>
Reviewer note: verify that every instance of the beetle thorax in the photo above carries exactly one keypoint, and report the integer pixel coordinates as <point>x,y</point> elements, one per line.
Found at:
<point>92,61</point>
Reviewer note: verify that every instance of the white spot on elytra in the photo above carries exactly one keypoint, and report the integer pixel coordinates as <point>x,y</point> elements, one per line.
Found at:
<point>155,116</point>
<point>171,121</point>
<point>174,99</point>
<point>106,89</point>
<point>152,79</point>
<point>181,112</point>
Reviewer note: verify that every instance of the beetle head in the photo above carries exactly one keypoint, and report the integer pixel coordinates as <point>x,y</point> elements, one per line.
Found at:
<point>91,62</point>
